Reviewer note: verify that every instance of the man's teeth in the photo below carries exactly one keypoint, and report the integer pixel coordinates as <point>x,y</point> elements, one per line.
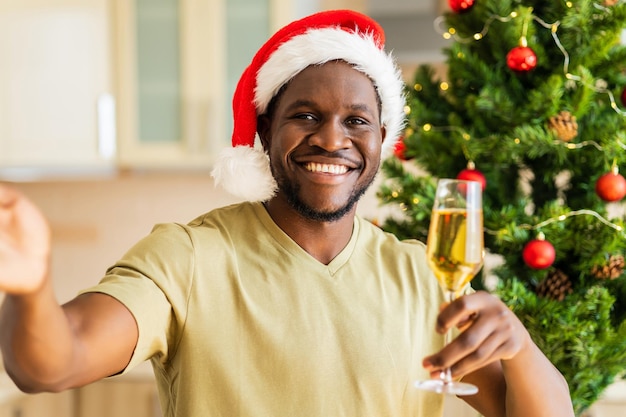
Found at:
<point>326,168</point>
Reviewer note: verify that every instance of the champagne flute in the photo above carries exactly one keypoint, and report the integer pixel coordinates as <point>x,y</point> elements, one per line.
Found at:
<point>455,253</point>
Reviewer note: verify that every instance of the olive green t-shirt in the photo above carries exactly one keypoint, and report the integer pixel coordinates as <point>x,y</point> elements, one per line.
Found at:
<point>239,321</point>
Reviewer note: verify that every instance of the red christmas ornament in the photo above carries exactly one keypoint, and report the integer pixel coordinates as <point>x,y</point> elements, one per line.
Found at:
<point>399,149</point>
<point>611,186</point>
<point>539,253</point>
<point>472,174</point>
<point>623,97</point>
<point>521,59</point>
<point>460,6</point>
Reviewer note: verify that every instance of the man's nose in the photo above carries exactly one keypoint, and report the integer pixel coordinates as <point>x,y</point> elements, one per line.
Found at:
<point>331,136</point>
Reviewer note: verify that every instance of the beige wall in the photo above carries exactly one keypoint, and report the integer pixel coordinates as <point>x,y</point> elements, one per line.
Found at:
<point>359,5</point>
<point>95,221</point>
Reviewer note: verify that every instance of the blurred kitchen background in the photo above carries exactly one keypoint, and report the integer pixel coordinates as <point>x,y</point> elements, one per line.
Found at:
<point>111,114</point>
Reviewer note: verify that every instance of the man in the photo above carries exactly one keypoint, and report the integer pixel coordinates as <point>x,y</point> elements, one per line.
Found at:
<point>287,304</point>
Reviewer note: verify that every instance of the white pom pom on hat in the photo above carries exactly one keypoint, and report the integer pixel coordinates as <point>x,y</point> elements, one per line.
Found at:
<point>244,170</point>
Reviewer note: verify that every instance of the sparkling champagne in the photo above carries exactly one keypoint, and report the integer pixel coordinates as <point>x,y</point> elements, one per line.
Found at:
<point>454,251</point>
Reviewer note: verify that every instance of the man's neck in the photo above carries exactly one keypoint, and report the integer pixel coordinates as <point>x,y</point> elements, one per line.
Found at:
<point>322,240</point>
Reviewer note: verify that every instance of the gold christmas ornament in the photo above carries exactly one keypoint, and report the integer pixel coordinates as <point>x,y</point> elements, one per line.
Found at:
<point>564,125</point>
<point>611,270</point>
<point>555,287</point>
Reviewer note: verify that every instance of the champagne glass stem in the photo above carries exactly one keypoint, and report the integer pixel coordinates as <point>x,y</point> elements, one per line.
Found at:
<point>446,375</point>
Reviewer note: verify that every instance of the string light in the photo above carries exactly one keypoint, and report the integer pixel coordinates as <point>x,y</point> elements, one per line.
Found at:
<point>563,217</point>
<point>451,33</point>
<point>584,212</point>
<point>553,27</point>
<point>579,145</point>
<point>467,137</point>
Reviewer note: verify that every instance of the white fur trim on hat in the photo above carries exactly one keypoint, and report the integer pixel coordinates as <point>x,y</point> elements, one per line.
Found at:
<point>245,172</point>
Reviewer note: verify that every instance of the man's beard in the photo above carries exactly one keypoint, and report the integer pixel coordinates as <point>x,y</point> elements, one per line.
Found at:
<point>292,193</point>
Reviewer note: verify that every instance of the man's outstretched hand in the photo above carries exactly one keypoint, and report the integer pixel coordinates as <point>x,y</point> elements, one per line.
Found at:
<point>24,243</point>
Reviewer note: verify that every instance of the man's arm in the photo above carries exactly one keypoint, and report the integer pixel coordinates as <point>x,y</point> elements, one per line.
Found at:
<point>496,353</point>
<point>46,346</point>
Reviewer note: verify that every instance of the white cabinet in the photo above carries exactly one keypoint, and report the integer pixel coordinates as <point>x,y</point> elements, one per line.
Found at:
<point>56,85</point>
<point>92,84</point>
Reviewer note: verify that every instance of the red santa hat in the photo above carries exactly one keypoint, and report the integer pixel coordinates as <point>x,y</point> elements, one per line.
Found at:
<point>243,170</point>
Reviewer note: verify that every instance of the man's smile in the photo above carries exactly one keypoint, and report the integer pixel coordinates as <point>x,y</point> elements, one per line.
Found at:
<point>326,168</point>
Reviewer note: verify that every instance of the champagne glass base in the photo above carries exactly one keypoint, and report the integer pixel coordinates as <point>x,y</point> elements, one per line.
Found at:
<point>442,387</point>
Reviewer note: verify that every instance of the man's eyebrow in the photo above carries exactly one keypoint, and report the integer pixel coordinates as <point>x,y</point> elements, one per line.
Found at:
<point>361,107</point>
<point>300,103</point>
<point>310,103</point>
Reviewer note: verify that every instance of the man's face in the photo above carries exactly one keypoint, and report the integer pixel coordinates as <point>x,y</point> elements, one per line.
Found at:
<point>324,140</point>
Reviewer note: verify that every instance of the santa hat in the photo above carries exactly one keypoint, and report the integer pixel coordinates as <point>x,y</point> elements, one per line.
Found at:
<point>243,170</point>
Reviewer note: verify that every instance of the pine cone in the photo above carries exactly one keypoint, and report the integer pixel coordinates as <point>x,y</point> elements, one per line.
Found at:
<point>565,126</point>
<point>556,286</point>
<point>611,270</point>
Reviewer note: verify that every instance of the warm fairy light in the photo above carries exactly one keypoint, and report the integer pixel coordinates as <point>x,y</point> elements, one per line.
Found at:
<point>569,4</point>
<point>427,127</point>
<point>444,86</point>
<point>466,136</point>
<point>447,36</point>
<point>452,31</point>
<point>407,109</point>
<point>418,87</point>
<point>523,42</point>
<point>478,36</point>
<point>416,200</point>
<point>394,194</point>
<point>517,141</point>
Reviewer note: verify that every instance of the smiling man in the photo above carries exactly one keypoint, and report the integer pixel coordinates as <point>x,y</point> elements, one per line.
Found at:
<point>288,303</point>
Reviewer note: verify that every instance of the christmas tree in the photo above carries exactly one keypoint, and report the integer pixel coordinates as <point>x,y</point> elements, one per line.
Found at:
<point>532,105</point>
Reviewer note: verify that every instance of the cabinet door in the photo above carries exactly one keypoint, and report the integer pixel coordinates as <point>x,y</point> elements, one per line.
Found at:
<point>171,82</point>
<point>56,108</point>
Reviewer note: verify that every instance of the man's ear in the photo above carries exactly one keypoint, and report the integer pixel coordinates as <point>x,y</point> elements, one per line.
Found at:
<point>263,128</point>
<point>383,133</point>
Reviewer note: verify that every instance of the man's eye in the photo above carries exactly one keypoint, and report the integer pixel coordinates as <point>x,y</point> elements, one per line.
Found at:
<point>357,121</point>
<point>304,116</point>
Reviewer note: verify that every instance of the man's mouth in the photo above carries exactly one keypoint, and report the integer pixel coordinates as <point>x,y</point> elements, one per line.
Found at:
<point>326,168</point>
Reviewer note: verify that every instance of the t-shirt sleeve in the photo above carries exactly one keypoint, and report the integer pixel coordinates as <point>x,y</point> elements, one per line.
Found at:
<point>152,280</point>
